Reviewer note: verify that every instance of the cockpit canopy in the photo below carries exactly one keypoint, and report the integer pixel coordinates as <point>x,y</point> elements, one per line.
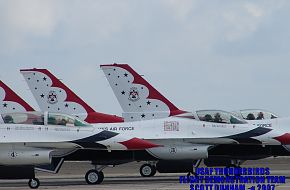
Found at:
<point>219,116</point>
<point>40,118</point>
<point>255,114</point>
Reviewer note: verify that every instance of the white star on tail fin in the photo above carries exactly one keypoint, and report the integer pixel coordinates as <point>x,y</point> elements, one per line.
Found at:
<point>52,95</point>
<point>10,101</point>
<point>138,99</point>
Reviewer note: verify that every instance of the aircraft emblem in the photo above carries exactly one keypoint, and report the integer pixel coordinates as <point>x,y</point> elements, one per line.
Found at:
<point>52,97</point>
<point>13,154</point>
<point>133,94</point>
<point>173,150</point>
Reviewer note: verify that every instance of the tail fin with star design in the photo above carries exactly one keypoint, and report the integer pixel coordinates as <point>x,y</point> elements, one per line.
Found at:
<point>10,101</point>
<point>138,99</point>
<point>52,95</point>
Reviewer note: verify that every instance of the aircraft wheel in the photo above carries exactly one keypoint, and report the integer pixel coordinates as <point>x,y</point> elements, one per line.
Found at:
<point>147,170</point>
<point>94,177</point>
<point>33,183</point>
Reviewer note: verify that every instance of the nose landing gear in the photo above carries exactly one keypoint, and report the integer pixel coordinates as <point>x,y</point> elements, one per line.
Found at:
<point>147,170</point>
<point>33,183</point>
<point>95,176</point>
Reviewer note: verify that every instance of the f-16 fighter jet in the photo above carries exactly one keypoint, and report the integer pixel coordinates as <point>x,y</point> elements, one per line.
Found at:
<point>183,136</point>
<point>32,139</point>
<point>141,101</point>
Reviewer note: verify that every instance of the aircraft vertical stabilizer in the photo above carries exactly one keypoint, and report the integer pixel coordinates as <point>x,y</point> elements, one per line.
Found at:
<point>138,99</point>
<point>52,95</point>
<point>10,101</point>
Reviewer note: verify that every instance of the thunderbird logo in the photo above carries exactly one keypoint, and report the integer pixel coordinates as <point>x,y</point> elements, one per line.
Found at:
<point>52,97</point>
<point>133,94</point>
<point>172,150</point>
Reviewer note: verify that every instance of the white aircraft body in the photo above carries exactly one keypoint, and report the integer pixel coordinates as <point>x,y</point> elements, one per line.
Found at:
<point>150,116</point>
<point>40,140</point>
<point>142,103</point>
<point>134,94</point>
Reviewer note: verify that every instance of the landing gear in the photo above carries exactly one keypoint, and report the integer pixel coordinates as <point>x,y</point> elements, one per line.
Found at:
<point>33,183</point>
<point>94,177</point>
<point>196,165</point>
<point>234,164</point>
<point>147,170</point>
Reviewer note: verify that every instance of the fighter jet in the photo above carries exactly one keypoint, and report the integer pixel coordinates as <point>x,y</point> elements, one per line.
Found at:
<point>40,140</point>
<point>11,102</point>
<point>36,138</point>
<point>129,83</point>
<point>183,136</point>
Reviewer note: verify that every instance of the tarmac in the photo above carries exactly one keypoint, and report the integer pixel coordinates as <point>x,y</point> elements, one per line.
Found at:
<point>126,177</point>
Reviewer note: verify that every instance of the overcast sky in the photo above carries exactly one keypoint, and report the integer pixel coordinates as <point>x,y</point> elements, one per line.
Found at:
<point>200,54</point>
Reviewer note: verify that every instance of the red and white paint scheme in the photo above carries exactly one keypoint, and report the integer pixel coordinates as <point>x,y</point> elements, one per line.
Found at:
<point>148,103</point>
<point>10,101</point>
<point>171,125</point>
<point>138,99</point>
<point>43,144</point>
<point>36,139</point>
<point>59,130</point>
<point>183,135</point>
<point>52,95</point>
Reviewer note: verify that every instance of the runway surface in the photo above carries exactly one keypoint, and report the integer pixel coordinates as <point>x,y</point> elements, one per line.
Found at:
<point>71,176</point>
